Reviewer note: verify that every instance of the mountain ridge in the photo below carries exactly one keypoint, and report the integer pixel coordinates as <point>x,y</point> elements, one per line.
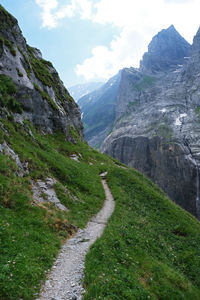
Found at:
<point>161,130</point>
<point>159,107</point>
<point>98,121</point>
<point>179,57</point>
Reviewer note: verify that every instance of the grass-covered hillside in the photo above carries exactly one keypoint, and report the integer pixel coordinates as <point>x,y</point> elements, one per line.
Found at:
<point>150,248</point>
<point>31,233</point>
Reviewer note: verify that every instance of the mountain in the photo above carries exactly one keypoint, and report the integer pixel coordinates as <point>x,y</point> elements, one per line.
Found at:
<point>98,111</point>
<point>79,90</point>
<point>166,50</point>
<point>50,186</point>
<point>155,124</point>
<point>158,129</point>
<point>42,97</point>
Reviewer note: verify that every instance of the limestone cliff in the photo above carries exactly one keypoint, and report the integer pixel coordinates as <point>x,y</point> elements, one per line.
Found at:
<point>39,95</point>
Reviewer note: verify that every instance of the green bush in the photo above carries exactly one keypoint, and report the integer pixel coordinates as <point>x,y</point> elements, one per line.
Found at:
<point>7,92</point>
<point>20,74</point>
<point>6,19</point>
<point>8,44</point>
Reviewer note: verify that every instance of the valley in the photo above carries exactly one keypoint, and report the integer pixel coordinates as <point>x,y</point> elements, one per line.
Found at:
<point>51,186</point>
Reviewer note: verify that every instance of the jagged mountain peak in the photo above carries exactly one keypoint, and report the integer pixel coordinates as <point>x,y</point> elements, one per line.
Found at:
<point>170,30</point>
<point>196,41</point>
<point>166,50</point>
<point>192,68</point>
<point>171,27</point>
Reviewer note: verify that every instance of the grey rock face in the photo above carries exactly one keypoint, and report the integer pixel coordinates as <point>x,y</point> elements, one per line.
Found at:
<point>165,163</point>
<point>166,50</point>
<point>158,126</point>
<point>44,99</point>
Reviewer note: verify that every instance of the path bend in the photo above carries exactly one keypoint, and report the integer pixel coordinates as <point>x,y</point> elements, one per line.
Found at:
<point>65,279</point>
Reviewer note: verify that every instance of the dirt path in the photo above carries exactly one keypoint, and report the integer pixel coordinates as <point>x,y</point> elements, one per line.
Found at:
<point>64,281</point>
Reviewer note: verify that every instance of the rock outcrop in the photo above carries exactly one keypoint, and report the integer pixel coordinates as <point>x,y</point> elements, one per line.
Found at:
<point>39,96</point>
<point>157,125</point>
<point>43,192</point>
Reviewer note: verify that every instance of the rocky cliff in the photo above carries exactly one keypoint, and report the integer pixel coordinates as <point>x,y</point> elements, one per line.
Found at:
<point>158,118</point>
<point>38,95</point>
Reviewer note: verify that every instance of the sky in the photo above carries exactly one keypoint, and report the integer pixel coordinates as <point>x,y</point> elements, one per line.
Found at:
<point>91,40</point>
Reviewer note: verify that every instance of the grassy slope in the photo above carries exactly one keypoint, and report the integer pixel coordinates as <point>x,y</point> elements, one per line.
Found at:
<point>30,235</point>
<point>150,249</point>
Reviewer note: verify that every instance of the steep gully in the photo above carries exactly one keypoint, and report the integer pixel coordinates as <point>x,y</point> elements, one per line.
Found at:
<point>197,198</point>
<point>65,278</point>
<point>192,158</point>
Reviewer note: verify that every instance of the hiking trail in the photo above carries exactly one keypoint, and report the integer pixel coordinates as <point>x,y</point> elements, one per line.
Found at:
<point>65,279</point>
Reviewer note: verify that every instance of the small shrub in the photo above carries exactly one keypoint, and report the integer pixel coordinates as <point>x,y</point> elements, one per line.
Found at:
<point>20,74</point>
<point>8,44</point>
<point>8,91</point>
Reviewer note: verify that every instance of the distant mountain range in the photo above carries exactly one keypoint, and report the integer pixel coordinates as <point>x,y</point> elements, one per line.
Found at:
<point>80,90</point>
<point>98,111</point>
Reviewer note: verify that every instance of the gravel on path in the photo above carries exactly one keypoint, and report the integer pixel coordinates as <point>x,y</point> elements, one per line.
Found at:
<point>65,279</point>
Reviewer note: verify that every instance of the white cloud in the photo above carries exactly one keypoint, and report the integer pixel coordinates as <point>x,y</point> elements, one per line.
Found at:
<point>53,11</point>
<point>105,62</point>
<point>138,22</point>
<point>178,1</point>
<point>47,16</point>
<point>85,8</point>
<point>150,16</point>
<point>124,12</point>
